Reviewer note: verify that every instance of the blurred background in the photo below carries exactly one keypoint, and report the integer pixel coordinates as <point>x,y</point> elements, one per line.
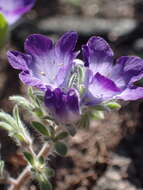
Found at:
<point>109,156</point>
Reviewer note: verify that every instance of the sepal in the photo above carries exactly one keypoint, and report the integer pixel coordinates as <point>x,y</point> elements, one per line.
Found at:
<point>77,77</point>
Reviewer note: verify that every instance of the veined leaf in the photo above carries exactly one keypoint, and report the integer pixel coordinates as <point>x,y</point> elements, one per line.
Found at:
<point>61,136</point>
<point>41,128</point>
<point>29,158</point>
<point>61,148</point>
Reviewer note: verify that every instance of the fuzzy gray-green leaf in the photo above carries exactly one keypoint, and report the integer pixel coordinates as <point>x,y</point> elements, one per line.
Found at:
<point>7,118</point>
<point>22,102</point>
<point>5,126</point>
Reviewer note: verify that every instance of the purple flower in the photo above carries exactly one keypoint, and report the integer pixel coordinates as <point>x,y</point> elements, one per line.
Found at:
<point>43,64</point>
<point>64,106</point>
<point>107,81</point>
<point>14,9</point>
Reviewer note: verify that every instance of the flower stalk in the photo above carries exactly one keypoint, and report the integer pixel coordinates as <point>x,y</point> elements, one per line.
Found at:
<point>71,93</point>
<point>26,174</point>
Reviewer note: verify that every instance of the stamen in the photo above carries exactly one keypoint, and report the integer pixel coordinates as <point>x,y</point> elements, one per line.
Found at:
<point>61,64</point>
<point>42,73</point>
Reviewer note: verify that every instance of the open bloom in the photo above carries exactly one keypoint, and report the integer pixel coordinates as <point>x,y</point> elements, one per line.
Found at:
<point>44,64</point>
<point>106,81</point>
<point>14,9</point>
<point>64,106</point>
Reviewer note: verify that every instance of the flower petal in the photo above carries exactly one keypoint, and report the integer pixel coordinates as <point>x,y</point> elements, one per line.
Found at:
<point>13,9</point>
<point>72,100</point>
<point>44,59</point>
<point>47,65</point>
<point>64,106</point>
<point>30,80</point>
<point>98,55</point>
<point>128,69</point>
<point>56,67</point>
<point>66,43</point>
<point>65,55</point>
<point>100,89</point>
<point>101,85</point>
<point>131,93</point>
<point>86,55</point>
<point>38,44</point>
<point>19,60</point>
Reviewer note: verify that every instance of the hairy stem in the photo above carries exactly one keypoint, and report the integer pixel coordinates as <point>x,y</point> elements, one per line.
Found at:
<point>26,174</point>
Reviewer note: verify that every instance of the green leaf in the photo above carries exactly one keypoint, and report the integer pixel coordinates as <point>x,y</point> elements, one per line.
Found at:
<point>61,148</point>
<point>18,136</point>
<point>38,112</point>
<point>29,158</point>
<point>39,94</point>
<point>81,72</point>
<point>84,122</point>
<point>7,118</point>
<point>2,169</point>
<point>20,131</point>
<point>97,115</point>
<point>45,186</point>
<point>77,78</point>
<point>22,102</point>
<point>3,30</point>
<point>41,160</point>
<point>51,131</point>
<point>41,128</point>
<point>113,105</point>
<point>81,89</point>
<point>30,91</point>
<point>73,82</point>
<point>6,126</point>
<point>61,136</point>
<point>49,172</point>
<point>33,97</point>
<point>17,117</point>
